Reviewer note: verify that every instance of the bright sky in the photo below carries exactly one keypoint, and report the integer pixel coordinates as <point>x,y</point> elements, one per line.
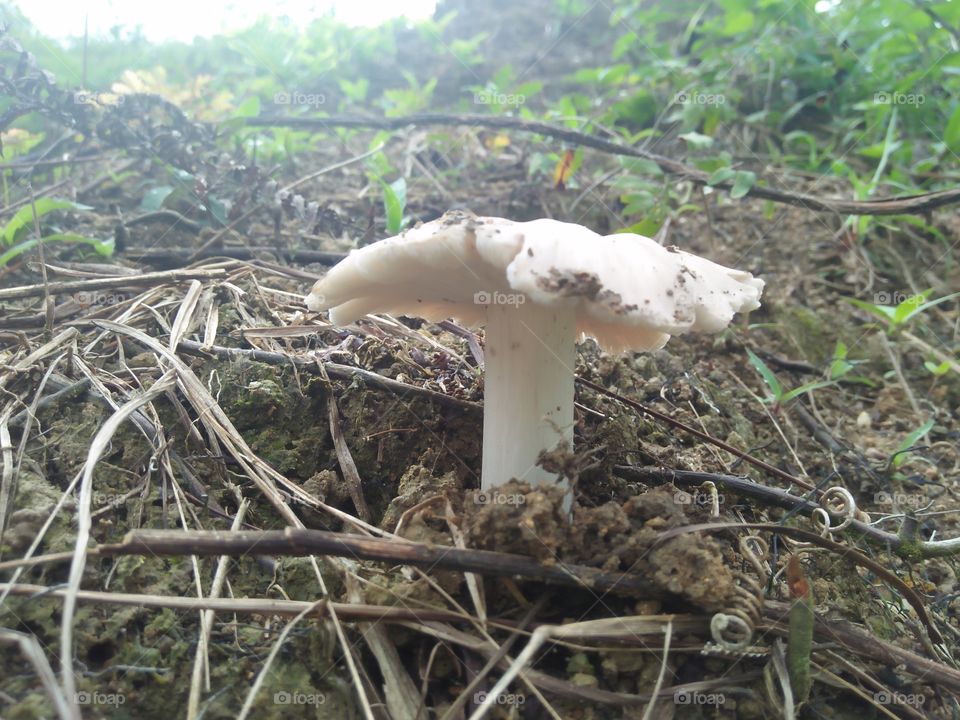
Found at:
<point>184,19</point>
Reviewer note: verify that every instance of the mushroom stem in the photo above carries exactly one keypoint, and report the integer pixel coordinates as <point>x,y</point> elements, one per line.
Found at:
<point>529,362</point>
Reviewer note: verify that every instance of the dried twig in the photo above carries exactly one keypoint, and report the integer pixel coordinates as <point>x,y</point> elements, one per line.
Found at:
<point>865,644</point>
<point>350,473</point>
<point>201,660</point>
<point>97,446</point>
<point>294,541</point>
<point>898,543</point>
<point>673,422</point>
<point>182,256</point>
<point>31,649</point>
<point>148,279</point>
<point>335,370</point>
<point>257,606</point>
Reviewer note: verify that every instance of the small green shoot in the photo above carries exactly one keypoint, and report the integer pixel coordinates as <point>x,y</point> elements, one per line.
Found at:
<point>102,247</point>
<point>896,316</point>
<point>903,452</point>
<point>779,395</point>
<point>21,224</point>
<point>937,370</point>
<point>801,622</point>
<point>841,366</point>
<point>394,204</point>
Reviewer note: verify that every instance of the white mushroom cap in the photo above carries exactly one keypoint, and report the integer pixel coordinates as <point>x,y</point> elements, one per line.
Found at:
<point>628,291</point>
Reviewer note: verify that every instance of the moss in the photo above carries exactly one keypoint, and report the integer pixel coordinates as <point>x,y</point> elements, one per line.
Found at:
<point>812,335</point>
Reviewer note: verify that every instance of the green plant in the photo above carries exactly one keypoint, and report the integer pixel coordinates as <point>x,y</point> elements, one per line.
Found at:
<point>503,93</point>
<point>20,225</point>
<point>779,395</point>
<point>394,204</point>
<point>899,315</point>
<point>394,193</point>
<point>902,452</point>
<point>411,99</point>
<point>841,366</point>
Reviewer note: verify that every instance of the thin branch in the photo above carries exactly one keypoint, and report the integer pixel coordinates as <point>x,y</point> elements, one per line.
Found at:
<point>912,204</point>
<point>183,256</point>
<point>300,542</point>
<point>334,370</point>
<point>260,606</point>
<point>148,279</point>
<point>866,644</point>
<point>673,422</point>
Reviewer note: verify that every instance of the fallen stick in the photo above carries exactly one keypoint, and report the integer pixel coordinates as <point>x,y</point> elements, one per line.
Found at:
<point>334,370</point>
<point>894,206</point>
<point>72,286</point>
<point>301,542</point>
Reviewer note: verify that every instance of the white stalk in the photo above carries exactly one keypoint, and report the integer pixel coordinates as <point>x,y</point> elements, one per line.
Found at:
<point>529,361</point>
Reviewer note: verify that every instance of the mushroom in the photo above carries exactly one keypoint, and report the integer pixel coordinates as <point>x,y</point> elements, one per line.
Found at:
<point>536,285</point>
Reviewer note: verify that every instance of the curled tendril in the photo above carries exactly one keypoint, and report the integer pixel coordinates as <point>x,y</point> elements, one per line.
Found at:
<point>835,502</point>
<point>732,630</point>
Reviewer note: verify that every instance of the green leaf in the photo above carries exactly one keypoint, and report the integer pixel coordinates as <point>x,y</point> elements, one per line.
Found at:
<point>900,456</point>
<point>935,369</point>
<point>742,183</point>
<point>638,202</point>
<point>623,43</point>
<point>805,388</point>
<point>916,309</point>
<point>737,22</point>
<point>909,307</point>
<point>885,312</point>
<point>648,227</point>
<point>697,141</point>
<point>394,202</point>
<point>102,247</point>
<point>153,199</point>
<point>248,108</point>
<point>840,365</point>
<point>721,175</point>
<point>951,135</point>
<point>640,166</point>
<point>23,220</point>
<point>767,374</point>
